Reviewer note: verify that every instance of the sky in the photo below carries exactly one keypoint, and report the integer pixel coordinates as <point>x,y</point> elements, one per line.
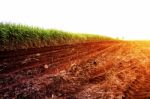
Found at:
<point>128,19</point>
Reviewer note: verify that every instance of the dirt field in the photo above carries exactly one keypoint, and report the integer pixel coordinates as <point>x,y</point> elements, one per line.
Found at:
<point>100,70</point>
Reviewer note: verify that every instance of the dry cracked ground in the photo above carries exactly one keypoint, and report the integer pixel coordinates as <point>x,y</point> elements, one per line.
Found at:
<point>100,70</point>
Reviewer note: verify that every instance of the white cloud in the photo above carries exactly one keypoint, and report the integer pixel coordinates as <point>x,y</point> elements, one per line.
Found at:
<point>117,18</point>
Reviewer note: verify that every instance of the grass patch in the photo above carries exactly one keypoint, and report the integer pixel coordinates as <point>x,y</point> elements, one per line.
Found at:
<point>16,36</point>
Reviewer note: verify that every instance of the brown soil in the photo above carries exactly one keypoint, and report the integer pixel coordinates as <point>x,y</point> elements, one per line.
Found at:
<point>96,70</point>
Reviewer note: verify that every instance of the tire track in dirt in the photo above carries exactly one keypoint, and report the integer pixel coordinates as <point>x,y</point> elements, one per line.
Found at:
<point>51,56</point>
<point>125,67</point>
<point>140,87</point>
<point>110,70</point>
<point>97,76</point>
<point>78,77</point>
<point>36,67</point>
<point>85,51</point>
<point>12,63</point>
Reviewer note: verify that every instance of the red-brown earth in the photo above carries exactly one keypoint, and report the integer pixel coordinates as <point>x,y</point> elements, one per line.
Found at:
<point>96,70</point>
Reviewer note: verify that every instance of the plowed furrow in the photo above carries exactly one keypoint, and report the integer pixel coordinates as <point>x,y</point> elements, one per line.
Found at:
<point>28,60</point>
<point>100,70</point>
<point>36,70</point>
